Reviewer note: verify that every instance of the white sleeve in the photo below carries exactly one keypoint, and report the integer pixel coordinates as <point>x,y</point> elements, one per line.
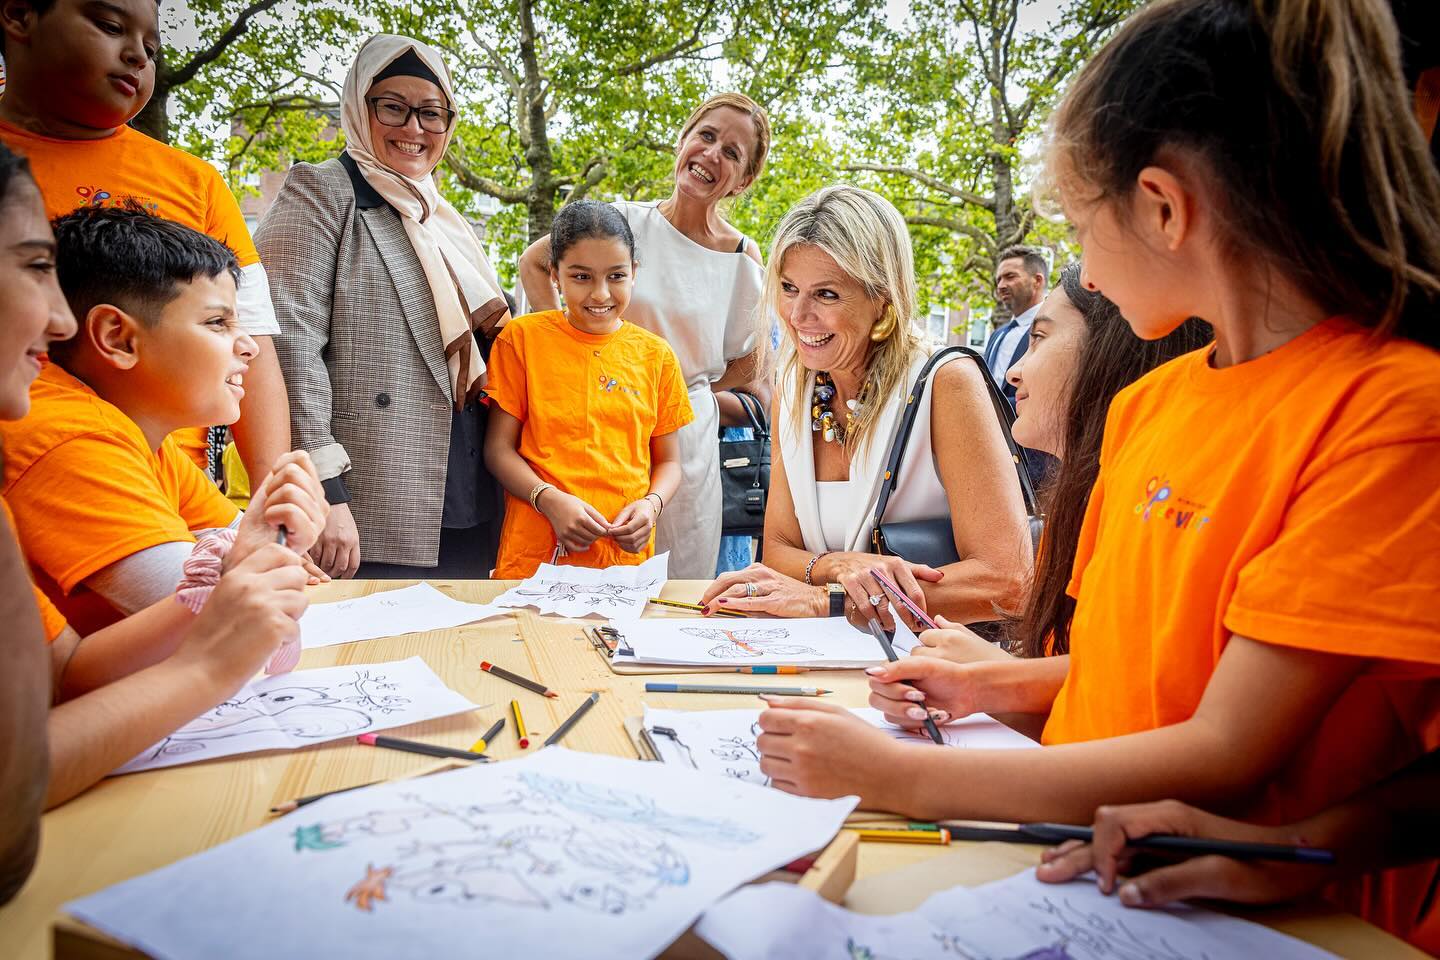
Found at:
<point>143,578</point>
<point>252,302</point>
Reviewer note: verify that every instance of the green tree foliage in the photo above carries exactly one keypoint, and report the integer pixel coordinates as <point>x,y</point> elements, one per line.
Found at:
<point>943,113</point>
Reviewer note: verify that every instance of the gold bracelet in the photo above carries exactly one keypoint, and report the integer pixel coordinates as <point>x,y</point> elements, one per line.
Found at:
<point>657,496</point>
<point>540,488</point>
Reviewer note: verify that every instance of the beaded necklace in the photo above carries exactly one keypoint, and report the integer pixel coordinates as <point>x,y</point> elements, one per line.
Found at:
<point>822,419</point>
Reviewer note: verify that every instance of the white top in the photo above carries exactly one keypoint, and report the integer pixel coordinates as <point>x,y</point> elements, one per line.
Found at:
<point>704,304</point>
<point>919,496</point>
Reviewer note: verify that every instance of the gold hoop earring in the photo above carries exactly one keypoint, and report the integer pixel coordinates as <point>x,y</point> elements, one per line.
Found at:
<point>886,325</point>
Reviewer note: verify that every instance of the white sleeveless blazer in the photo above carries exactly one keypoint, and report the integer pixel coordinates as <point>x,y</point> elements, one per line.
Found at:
<point>919,496</point>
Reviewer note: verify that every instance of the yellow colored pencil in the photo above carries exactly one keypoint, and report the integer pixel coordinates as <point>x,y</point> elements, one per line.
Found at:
<point>519,724</point>
<point>681,605</point>
<point>941,837</point>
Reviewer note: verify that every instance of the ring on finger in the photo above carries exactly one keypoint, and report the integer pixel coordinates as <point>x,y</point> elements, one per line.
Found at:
<point>875,599</point>
<point>749,590</point>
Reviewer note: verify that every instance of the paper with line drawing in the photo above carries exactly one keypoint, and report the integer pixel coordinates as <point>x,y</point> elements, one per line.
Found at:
<point>309,706</point>
<point>1019,918</point>
<point>723,741</point>
<point>557,855</point>
<point>393,613</point>
<point>616,593</point>
<point>803,642</point>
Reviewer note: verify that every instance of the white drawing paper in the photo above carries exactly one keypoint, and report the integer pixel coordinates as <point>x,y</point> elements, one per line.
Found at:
<point>823,642</point>
<point>616,593</point>
<point>723,741</point>
<point>311,706</point>
<point>1018,918</point>
<point>557,855</point>
<point>413,609</point>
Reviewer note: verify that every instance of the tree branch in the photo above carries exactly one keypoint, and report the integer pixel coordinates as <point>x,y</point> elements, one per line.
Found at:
<point>955,226</point>
<point>675,50</point>
<point>183,75</point>
<point>965,196</point>
<point>483,184</point>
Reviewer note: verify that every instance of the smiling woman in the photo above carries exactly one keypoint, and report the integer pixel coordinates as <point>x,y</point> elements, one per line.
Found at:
<point>388,305</point>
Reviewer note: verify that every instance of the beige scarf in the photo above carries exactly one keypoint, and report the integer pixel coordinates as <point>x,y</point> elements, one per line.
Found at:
<point>465,288</point>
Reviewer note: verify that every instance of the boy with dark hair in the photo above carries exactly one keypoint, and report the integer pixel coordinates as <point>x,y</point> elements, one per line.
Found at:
<point>77,71</point>
<point>106,506</point>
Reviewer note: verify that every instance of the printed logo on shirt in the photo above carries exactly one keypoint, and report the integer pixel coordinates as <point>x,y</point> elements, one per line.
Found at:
<point>100,197</point>
<point>611,385</point>
<point>1162,503</point>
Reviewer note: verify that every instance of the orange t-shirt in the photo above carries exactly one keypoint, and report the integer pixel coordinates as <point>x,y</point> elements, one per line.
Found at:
<point>51,620</point>
<point>588,406</point>
<point>86,491</point>
<point>1293,499</point>
<point>128,165</point>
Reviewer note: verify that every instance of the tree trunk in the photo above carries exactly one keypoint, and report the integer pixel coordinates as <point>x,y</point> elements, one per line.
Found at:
<point>154,119</point>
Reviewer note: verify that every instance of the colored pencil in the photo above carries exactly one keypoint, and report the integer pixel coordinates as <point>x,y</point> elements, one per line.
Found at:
<point>772,670</point>
<point>515,678</point>
<point>878,632</point>
<point>520,733</point>
<point>299,802</point>
<point>681,605</point>
<point>573,719</point>
<point>479,745</point>
<point>921,617</point>
<point>414,746</point>
<point>1049,833</point>
<point>940,837</point>
<point>282,536</point>
<point>742,691</point>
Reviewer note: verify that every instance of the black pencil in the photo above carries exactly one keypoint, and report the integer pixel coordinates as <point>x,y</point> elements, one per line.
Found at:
<point>415,746</point>
<point>516,679</point>
<point>1047,834</point>
<point>878,632</point>
<point>295,804</point>
<point>573,719</point>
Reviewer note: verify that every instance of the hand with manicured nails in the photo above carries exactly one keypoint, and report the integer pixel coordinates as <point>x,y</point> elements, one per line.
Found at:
<point>633,524</point>
<point>575,522</point>
<point>772,593</point>
<point>906,689</point>
<point>822,750</point>
<point>958,644</point>
<point>291,496</point>
<point>1209,877</point>
<point>852,571</point>
<point>253,611</point>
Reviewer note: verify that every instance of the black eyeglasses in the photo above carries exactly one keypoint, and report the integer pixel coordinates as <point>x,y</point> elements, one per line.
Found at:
<point>396,113</point>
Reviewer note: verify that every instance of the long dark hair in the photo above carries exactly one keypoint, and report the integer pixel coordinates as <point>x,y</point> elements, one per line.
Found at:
<point>1299,110</point>
<point>1111,358</point>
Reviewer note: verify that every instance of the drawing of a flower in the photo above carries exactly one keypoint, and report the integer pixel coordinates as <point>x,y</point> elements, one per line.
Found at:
<point>313,838</point>
<point>372,888</point>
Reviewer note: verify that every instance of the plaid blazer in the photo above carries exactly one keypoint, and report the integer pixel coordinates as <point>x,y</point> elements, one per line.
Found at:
<point>362,355</point>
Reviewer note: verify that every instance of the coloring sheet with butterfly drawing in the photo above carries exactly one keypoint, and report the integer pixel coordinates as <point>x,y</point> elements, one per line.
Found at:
<point>723,741</point>
<point>310,706</point>
<point>1018,918</point>
<point>822,642</point>
<point>616,593</point>
<point>556,855</point>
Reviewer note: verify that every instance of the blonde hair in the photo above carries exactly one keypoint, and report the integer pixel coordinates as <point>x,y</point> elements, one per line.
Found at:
<point>867,238</point>
<point>758,117</point>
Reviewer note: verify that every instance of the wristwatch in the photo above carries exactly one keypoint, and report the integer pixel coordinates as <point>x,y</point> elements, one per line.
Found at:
<point>837,599</point>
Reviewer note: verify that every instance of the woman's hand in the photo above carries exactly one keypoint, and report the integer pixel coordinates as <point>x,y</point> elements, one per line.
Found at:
<point>906,690</point>
<point>958,644</point>
<point>575,522</point>
<point>821,750</point>
<point>1211,877</point>
<point>633,524</point>
<point>852,571</point>
<point>290,497</point>
<point>758,589</point>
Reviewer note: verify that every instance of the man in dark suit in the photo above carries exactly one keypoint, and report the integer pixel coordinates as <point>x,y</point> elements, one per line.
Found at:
<point>1020,282</point>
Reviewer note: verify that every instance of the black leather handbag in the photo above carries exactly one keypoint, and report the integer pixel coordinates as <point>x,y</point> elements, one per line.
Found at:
<point>932,541</point>
<point>745,474</point>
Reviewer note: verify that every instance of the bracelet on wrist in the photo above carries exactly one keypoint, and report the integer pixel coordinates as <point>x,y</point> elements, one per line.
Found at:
<point>535,492</point>
<point>810,567</point>
<point>659,500</point>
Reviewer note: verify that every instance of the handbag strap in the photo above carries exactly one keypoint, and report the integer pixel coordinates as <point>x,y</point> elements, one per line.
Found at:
<point>755,410</point>
<point>907,424</point>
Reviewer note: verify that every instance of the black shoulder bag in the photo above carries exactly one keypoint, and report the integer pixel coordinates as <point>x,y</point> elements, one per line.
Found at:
<point>745,474</point>
<point>932,542</point>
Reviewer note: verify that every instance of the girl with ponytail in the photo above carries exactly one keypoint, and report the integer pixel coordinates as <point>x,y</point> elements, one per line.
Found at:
<point>1254,627</point>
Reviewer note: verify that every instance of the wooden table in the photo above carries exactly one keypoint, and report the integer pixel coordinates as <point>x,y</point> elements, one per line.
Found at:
<point>130,825</point>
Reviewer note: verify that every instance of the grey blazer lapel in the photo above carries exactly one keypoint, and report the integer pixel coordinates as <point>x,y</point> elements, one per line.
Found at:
<point>416,301</point>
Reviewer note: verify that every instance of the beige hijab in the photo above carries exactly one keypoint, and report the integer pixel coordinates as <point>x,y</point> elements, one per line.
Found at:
<point>465,288</point>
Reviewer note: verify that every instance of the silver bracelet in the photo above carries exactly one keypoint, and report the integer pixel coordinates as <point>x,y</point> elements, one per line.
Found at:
<point>810,567</point>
